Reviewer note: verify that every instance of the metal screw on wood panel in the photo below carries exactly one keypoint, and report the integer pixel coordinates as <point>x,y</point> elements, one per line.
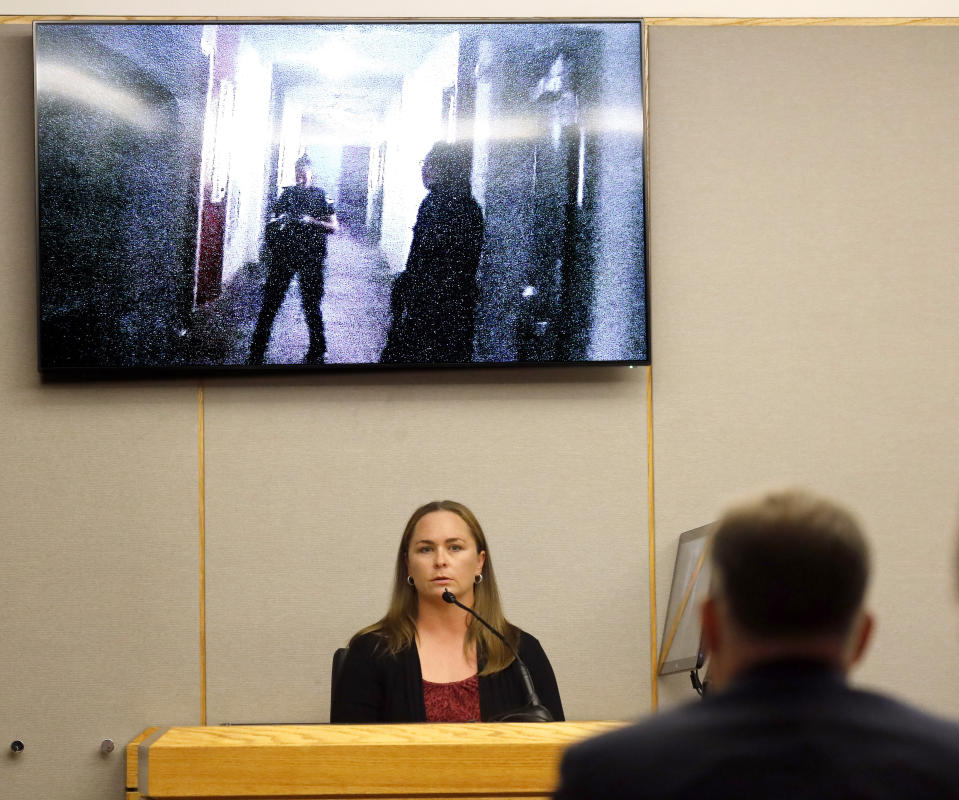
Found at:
<point>107,746</point>
<point>16,746</point>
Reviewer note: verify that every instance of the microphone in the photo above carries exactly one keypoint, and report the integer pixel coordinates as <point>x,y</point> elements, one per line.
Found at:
<point>534,710</point>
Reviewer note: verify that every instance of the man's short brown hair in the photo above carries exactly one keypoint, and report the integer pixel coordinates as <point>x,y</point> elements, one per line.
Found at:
<point>790,564</point>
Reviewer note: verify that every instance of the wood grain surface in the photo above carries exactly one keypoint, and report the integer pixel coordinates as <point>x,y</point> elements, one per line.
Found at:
<point>697,21</point>
<point>479,760</point>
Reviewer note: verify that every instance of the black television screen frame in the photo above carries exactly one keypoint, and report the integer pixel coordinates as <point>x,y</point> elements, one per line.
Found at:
<point>121,128</point>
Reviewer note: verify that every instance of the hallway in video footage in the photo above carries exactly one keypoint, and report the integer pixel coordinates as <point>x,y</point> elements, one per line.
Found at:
<point>335,98</point>
<point>355,306</point>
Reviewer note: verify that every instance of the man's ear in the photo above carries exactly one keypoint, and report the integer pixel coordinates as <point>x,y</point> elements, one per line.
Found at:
<point>860,638</point>
<point>712,629</point>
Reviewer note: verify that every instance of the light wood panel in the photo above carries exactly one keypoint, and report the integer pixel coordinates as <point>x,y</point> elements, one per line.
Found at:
<point>485,759</point>
<point>674,21</point>
<point>801,21</point>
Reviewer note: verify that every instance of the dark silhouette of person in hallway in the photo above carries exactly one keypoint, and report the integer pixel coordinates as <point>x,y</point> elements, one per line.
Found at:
<point>434,299</point>
<point>301,219</point>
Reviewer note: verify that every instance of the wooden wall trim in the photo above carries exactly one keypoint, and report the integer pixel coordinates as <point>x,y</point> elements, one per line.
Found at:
<point>201,523</point>
<point>655,21</point>
<point>800,21</point>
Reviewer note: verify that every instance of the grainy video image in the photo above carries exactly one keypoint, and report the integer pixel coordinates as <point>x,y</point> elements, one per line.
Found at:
<point>326,194</point>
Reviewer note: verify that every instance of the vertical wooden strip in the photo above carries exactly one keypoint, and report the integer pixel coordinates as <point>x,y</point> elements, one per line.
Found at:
<point>202,560</point>
<point>653,658</point>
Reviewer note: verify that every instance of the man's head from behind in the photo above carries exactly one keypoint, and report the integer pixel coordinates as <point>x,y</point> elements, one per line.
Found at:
<point>789,574</point>
<point>448,166</point>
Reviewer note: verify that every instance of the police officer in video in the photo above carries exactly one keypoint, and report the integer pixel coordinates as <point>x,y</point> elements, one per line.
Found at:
<point>301,219</point>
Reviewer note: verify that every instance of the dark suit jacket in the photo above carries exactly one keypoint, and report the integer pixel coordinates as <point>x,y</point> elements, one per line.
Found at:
<point>378,687</point>
<point>783,731</point>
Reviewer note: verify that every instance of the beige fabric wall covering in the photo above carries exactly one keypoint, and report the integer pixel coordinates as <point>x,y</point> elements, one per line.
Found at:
<point>804,299</point>
<point>309,486</point>
<point>803,294</point>
<point>98,553</point>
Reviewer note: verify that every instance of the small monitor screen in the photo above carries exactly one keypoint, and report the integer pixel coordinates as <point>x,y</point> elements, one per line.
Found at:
<point>681,648</point>
<point>264,196</point>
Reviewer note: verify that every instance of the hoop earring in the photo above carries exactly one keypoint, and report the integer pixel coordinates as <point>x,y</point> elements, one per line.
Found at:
<point>477,579</point>
<point>410,581</point>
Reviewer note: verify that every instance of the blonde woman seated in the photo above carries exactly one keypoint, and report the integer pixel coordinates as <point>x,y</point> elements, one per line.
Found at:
<point>429,661</point>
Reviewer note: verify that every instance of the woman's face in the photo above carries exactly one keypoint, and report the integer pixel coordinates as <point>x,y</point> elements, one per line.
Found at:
<point>442,555</point>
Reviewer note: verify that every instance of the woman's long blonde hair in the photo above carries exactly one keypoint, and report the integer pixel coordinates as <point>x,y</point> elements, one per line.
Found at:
<point>398,627</point>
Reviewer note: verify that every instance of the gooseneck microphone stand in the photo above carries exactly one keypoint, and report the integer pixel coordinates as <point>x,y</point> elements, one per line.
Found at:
<point>534,710</point>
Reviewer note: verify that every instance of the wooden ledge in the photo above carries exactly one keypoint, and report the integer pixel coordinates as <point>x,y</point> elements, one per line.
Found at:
<point>481,760</point>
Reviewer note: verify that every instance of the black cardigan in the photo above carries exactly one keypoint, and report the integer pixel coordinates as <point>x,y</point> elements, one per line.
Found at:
<point>378,687</point>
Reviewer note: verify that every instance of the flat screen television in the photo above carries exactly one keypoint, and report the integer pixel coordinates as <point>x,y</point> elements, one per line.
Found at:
<point>307,196</point>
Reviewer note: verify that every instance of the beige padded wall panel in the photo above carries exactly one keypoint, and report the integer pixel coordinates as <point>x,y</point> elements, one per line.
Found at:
<point>309,485</point>
<point>98,532</point>
<point>804,296</point>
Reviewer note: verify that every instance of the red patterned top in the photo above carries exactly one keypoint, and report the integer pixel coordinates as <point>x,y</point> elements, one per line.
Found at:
<point>452,702</point>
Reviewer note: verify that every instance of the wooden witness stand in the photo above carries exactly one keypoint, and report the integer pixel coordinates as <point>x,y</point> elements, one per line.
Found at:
<point>475,761</point>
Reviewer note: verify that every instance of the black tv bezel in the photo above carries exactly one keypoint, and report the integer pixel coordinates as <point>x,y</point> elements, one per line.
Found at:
<point>182,371</point>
